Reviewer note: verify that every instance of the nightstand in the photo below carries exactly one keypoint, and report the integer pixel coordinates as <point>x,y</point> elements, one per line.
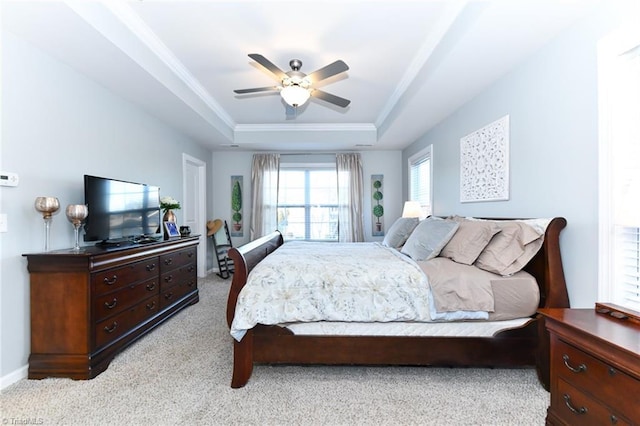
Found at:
<point>595,368</point>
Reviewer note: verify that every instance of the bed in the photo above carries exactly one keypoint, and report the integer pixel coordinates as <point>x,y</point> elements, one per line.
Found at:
<point>522,343</point>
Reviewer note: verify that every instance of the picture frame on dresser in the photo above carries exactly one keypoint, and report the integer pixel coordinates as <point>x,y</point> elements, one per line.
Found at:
<point>172,229</point>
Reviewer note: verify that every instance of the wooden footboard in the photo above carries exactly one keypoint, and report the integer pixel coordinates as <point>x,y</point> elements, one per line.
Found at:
<point>525,346</point>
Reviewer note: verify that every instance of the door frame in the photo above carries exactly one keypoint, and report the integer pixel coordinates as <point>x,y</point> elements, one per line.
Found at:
<point>200,202</point>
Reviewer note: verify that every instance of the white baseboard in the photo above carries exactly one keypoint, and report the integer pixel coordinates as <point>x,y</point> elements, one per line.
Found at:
<point>13,377</point>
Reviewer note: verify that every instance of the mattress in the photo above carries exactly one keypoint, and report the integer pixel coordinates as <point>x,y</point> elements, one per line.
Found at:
<point>418,329</point>
<point>516,299</point>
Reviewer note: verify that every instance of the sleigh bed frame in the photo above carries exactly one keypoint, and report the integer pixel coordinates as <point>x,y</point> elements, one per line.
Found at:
<point>519,347</point>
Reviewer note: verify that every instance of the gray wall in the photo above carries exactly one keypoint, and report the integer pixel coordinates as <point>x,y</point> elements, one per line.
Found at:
<point>551,100</point>
<point>57,126</point>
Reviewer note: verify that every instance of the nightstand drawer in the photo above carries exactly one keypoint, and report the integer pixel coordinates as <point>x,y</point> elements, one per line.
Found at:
<point>603,381</point>
<point>575,407</point>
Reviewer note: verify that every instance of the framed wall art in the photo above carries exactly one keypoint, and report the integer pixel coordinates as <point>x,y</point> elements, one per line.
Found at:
<point>236,206</point>
<point>377,205</point>
<point>484,163</point>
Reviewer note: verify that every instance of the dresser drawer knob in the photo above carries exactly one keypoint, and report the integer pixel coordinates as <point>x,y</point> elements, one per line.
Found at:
<point>567,401</point>
<point>168,278</point>
<point>151,306</point>
<point>191,268</point>
<point>112,304</point>
<point>579,369</point>
<point>151,267</point>
<point>614,419</point>
<point>151,286</point>
<point>168,296</point>
<point>190,254</point>
<point>111,281</point>
<point>112,328</point>
<point>168,261</point>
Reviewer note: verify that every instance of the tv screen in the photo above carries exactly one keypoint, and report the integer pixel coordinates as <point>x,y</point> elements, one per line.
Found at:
<point>120,210</point>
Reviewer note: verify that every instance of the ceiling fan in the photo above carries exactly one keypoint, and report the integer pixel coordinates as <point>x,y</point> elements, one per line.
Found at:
<point>296,86</point>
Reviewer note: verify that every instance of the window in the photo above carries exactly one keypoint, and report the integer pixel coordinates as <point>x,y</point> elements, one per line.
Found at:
<point>420,180</point>
<point>308,203</point>
<point>619,91</point>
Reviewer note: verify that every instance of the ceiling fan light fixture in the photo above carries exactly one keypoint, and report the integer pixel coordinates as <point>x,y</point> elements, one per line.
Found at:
<point>295,95</point>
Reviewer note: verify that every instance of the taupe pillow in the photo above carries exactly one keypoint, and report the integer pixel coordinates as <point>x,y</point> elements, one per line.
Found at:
<point>399,232</point>
<point>428,238</point>
<point>470,239</point>
<point>511,249</point>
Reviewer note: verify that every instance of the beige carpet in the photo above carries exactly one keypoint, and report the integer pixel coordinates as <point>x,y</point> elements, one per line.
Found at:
<point>180,374</point>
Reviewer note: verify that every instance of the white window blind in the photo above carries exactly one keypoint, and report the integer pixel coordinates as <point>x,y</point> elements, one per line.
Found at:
<point>620,172</point>
<point>420,180</point>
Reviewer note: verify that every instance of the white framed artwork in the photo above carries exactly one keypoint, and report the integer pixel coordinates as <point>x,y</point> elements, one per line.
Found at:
<point>484,163</point>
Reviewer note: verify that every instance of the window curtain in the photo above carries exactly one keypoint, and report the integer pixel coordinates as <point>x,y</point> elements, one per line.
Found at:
<point>264,194</point>
<point>350,196</point>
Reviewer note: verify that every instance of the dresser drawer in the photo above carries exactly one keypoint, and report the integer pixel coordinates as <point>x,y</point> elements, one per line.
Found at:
<point>117,301</point>
<point>171,295</point>
<point>169,279</point>
<point>119,324</point>
<point>575,407</point>
<point>601,380</point>
<point>175,260</point>
<point>108,281</point>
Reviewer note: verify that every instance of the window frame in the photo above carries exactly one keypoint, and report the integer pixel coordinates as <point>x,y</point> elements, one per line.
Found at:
<point>308,167</point>
<point>425,153</point>
<point>610,49</point>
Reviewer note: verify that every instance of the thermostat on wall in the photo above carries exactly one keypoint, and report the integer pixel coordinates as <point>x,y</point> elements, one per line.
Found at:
<point>8,179</point>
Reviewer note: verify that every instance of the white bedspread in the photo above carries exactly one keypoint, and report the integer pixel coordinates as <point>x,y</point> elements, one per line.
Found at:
<point>319,286</point>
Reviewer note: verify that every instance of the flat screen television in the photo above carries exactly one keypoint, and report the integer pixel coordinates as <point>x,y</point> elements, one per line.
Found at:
<point>121,211</point>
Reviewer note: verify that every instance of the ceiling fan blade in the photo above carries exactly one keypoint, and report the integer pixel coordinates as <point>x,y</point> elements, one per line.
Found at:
<point>328,71</point>
<point>268,65</point>
<point>336,100</point>
<point>257,89</point>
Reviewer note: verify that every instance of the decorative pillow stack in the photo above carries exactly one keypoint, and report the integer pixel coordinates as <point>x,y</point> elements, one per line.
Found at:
<point>428,238</point>
<point>469,240</point>
<point>510,249</point>
<point>399,232</point>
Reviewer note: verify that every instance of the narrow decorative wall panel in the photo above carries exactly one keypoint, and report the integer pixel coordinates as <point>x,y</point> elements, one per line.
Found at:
<point>484,163</point>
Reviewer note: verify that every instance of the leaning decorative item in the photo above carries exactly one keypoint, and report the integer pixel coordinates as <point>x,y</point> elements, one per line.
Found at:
<point>47,206</point>
<point>76,213</point>
<point>168,205</point>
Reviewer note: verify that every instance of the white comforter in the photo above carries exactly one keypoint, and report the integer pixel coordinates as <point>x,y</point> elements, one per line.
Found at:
<point>319,286</point>
<point>351,282</point>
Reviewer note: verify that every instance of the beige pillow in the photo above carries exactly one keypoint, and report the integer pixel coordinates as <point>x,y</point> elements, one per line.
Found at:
<point>510,249</point>
<point>469,240</point>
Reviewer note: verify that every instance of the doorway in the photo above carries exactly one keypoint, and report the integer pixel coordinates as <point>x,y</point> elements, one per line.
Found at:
<point>194,172</point>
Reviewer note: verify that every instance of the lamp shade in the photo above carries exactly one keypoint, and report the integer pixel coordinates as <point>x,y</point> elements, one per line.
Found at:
<point>295,95</point>
<point>412,209</point>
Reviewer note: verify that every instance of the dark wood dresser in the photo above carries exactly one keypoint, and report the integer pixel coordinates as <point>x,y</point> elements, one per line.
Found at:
<point>595,368</point>
<point>87,306</point>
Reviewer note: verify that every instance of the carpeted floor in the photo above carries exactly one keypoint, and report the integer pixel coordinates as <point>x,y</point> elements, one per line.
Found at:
<point>180,374</point>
